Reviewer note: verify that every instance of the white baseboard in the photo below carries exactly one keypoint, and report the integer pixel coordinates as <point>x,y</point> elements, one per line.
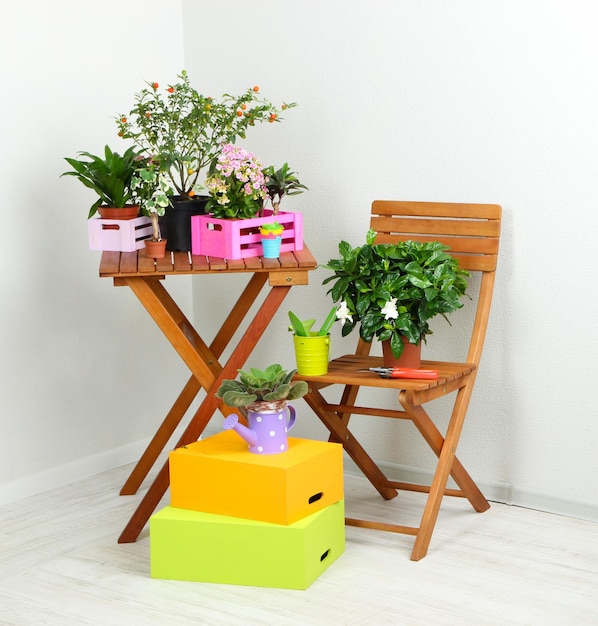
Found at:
<point>496,492</point>
<point>70,472</point>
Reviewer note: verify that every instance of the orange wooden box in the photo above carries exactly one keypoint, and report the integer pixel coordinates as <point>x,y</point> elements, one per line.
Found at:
<point>219,475</point>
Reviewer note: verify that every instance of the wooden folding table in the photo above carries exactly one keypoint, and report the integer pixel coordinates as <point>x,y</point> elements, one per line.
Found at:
<point>145,277</point>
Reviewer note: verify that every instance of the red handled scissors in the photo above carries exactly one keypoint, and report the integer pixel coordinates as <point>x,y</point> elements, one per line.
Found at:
<point>403,372</point>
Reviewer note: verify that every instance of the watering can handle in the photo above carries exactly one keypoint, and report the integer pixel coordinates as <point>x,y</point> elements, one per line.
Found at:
<point>292,417</point>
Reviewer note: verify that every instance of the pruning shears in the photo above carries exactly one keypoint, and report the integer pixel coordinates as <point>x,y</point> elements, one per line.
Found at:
<point>403,372</point>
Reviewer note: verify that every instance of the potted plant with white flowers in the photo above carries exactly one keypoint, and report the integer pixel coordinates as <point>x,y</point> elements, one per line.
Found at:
<point>393,291</point>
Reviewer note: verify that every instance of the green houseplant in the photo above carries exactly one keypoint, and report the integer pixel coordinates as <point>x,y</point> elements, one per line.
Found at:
<point>304,328</point>
<point>281,182</point>
<point>182,131</point>
<point>256,386</point>
<point>394,290</point>
<point>264,395</point>
<point>151,189</point>
<point>312,347</point>
<point>109,176</point>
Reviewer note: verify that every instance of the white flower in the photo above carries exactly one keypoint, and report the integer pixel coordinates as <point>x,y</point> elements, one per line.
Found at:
<point>342,313</point>
<point>390,310</point>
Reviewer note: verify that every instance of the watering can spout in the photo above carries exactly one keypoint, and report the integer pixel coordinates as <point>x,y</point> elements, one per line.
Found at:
<point>232,423</point>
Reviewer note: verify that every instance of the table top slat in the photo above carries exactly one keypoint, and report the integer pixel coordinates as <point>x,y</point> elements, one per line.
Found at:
<point>110,263</point>
<point>199,263</point>
<point>181,261</point>
<point>128,262</point>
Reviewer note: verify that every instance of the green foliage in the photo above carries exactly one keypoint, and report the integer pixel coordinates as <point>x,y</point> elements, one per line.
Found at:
<point>273,227</point>
<point>395,289</point>
<point>281,182</point>
<point>256,385</point>
<point>109,176</point>
<point>303,328</point>
<point>183,130</point>
<point>152,191</point>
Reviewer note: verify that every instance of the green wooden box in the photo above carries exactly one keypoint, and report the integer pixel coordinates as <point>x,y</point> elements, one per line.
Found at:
<point>205,547</point>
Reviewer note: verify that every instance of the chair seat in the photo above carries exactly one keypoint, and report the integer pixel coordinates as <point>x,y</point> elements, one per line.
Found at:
<point>347,370</point>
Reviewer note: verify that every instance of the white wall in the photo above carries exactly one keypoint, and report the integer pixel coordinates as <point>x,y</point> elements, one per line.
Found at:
<point>469,100</point>
<point>77,391</point>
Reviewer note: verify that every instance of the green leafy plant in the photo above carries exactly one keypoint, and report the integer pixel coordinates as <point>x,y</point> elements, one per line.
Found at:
<point>304,328</point>
<point>109,176</point>
<point>183,130</point>
<point>394,289</point>
<point>281,182</point>
<point>151,190</point>
<point>270,385</point>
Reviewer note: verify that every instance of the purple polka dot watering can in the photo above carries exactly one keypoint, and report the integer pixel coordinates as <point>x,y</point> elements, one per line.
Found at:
<point>268,427</point>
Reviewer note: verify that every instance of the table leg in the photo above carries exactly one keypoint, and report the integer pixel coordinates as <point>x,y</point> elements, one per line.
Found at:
<point>192,388</point>
<point>207,408</point>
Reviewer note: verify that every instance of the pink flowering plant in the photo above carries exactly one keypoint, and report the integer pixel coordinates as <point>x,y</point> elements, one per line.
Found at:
<point>394,290</point>
<point>236,184</point>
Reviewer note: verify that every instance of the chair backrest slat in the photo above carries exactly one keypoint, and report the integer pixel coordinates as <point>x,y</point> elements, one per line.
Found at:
<point>471,231</point>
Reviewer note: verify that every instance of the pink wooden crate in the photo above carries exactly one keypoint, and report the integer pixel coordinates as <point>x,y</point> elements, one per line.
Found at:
<point>239,239</point>
<point>119,235</point>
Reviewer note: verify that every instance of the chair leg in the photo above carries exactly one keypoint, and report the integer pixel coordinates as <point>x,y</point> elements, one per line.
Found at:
<point>353,448</point>
<point>447,465</point>
<point>436,441</point>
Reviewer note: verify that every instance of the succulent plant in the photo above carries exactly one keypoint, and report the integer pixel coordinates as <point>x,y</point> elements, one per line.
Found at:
<point>270,385</point>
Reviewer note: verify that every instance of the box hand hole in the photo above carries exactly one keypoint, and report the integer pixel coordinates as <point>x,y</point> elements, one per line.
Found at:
<point>315,497</point>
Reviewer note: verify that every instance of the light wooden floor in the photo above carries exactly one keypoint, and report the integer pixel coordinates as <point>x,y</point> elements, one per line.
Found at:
<point>61,565</point>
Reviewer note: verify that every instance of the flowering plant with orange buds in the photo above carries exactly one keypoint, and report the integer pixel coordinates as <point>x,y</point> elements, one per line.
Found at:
<point>183,131</point>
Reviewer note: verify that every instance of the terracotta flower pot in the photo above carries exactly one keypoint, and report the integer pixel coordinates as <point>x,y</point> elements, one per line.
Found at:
<point>156,249</point>
<point>123,213</point>
<point>410,358</point>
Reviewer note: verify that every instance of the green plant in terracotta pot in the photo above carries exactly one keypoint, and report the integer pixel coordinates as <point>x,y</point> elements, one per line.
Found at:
<point>151,189</point>
<point>110,177</point>
<point>281,182</point>
<point>394,290</point>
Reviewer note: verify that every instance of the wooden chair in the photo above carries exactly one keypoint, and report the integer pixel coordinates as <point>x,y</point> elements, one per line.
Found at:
<point>472,233</point>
